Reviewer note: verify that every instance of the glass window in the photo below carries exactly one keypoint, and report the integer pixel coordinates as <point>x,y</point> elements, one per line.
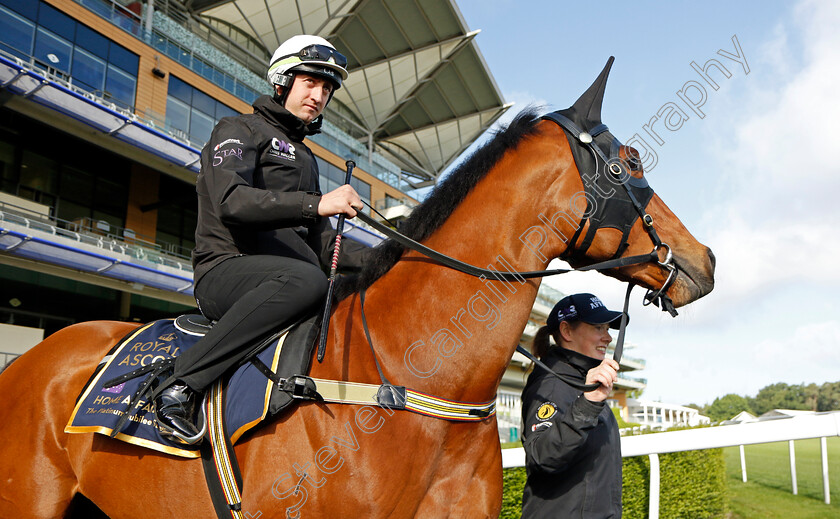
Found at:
<point>16,32</point>
<point>224,111</point>
<point>76,185</point>
<point>8,176</point>
<point>201,126</point>
<point>198,65</point>
<point>188,225</point>
<point>92,41</point>
<point>110,195</point>
<point>327,184</point>
<point>124,59</point>
<point>56,21</point>
<point>336,174</point>
<point>252,95</point>
<point>183,56</point>
<point>241,91</point>
<point>177,115</point>
<point>52,51</point>
<point>39,174</point>
<point>88,71</point>
<point>218,77</point>
<point>159,42</point>
<point>203,102</point>
<point>70,211</point>
<point>179,89</point>
<point>120,87</point>
<point>27,9</point>
<point>100,8</point>
<point>361,187</point>
<point>192,111</point>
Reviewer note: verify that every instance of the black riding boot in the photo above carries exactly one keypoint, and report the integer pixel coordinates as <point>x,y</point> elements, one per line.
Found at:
<point>175,410</point>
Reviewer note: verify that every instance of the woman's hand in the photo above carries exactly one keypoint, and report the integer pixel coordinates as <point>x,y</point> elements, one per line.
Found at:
<point>342,200</point>
<point>606,374</point>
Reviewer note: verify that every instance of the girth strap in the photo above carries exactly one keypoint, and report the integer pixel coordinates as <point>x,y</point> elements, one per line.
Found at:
<point>402,398</point>
<point>221,469</point>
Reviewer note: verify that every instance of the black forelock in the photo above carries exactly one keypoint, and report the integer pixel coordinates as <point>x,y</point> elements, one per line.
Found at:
<point>443,199</point>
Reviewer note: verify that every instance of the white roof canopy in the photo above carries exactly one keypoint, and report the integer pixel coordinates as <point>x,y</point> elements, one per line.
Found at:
<point>419,90</point>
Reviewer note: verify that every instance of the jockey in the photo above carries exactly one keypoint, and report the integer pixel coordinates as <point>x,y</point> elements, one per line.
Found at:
<point>263,233</point>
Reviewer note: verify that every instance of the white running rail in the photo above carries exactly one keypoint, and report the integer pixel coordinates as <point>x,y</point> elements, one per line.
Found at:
<point>819,425</point>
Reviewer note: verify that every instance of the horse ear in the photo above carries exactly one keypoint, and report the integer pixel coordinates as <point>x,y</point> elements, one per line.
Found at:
<point>588,106</point>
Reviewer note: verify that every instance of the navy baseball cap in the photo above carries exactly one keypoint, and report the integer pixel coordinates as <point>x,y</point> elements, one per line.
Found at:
<point>582,307</point>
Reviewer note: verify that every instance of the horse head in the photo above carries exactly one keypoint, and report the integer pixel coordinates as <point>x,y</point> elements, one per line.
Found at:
<point>623,216</point>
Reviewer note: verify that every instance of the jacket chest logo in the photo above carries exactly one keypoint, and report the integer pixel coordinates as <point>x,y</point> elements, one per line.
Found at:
<point>282,149</point>
<point>546,411</point>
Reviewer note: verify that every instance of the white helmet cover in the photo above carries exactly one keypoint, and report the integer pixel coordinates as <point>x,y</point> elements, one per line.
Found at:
<point>294,55</point>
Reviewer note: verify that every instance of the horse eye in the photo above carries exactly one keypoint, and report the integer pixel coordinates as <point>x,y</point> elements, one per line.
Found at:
<point>634,162</point>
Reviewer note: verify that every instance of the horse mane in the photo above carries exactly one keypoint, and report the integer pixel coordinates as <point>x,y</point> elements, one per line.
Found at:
<point>442,201</point>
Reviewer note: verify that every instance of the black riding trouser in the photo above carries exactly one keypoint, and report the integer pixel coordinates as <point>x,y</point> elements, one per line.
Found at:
<point>250,296</point>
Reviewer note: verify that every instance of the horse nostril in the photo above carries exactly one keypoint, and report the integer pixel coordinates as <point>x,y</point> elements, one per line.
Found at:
<point>712,258</point>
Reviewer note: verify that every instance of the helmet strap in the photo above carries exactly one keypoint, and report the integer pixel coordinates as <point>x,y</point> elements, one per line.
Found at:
<point>289,80</point>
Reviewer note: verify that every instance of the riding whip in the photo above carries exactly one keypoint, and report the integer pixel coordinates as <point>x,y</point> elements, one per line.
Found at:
<point>339,229</point>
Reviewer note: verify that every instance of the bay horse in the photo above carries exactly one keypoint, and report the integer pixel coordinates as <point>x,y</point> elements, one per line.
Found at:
<point>435,330</point>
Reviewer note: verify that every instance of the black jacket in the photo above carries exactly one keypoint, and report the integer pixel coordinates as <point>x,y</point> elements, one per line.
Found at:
<point>572,445</point>
<point>258,192</point>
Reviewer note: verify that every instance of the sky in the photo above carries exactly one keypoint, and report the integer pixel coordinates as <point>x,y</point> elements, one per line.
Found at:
<point>754,178</point>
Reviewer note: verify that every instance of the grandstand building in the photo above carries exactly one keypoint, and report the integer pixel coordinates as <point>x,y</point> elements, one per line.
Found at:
<point>106,104</point>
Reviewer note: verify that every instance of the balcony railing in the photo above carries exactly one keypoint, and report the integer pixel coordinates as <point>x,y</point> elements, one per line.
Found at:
<point>100,234</point>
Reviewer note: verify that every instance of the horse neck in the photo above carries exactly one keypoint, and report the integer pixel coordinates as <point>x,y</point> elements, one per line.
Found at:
<point>452,334</point>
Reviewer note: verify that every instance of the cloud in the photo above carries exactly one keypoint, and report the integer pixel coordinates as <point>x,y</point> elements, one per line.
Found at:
<point>775,218</point>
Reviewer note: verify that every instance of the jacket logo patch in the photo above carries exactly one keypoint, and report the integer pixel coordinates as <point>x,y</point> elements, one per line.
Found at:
<point>282,149</point>
<point>221,155</point>
<point>541,425</point>
<point>546,411</point>
<point>228,141</point>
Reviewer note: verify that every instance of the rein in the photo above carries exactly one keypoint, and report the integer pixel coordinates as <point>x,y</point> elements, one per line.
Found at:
<point>475,271</point>
<point>472,270</point>
<point>617,169</point>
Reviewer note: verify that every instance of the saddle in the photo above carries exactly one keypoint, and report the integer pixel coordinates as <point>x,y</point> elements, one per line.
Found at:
<point>115,400</point>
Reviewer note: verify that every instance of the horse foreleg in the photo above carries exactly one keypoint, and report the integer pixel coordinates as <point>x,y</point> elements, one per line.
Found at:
<point>468,482</point>
<point>482,497</point>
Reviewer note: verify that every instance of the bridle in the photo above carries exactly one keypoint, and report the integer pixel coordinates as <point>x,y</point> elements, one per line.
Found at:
<point>605,210</point>
<point>602,211</point>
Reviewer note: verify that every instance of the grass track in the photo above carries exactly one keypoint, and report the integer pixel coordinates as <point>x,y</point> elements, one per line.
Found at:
<point>767,493</point>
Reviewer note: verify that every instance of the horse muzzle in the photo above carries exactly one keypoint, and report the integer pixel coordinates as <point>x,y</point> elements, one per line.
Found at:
<point>694,279</point>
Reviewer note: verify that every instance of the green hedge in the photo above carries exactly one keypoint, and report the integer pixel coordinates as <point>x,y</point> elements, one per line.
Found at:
<point>692,485</point>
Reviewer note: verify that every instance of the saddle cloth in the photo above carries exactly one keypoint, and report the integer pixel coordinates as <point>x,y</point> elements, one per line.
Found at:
<point>250,396</point>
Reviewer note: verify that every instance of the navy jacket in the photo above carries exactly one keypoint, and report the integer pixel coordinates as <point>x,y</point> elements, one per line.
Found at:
<point>258,193</point>
<point>572,445</point>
